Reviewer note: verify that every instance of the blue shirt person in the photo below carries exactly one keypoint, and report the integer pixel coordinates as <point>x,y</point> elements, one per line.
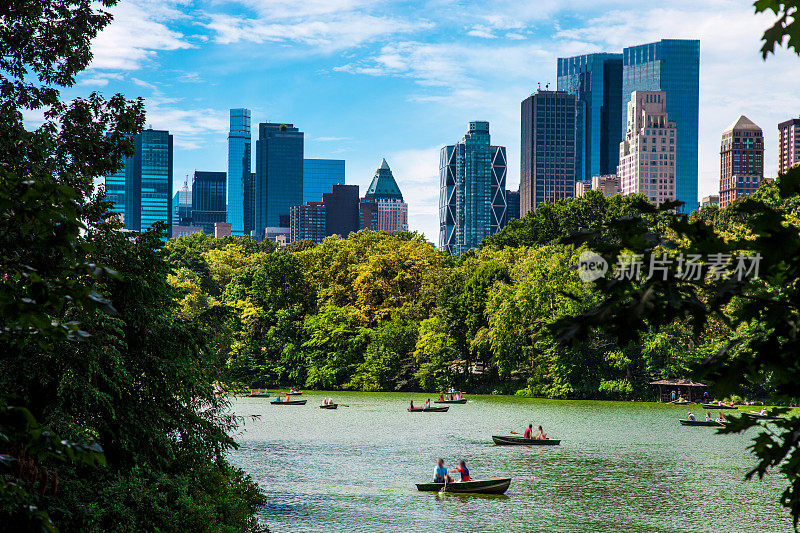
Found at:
<point>440,473</point>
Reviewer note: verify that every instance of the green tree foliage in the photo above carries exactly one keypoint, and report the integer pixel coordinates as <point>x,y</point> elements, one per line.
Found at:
<point>107,416</point>
<point>785,28</point>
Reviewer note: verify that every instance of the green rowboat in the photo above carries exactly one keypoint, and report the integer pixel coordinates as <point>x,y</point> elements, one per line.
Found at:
<point>508,441</point>
<point>478,486</point>
<point>461,401</point>
<point>710,423</point>
<point>290,402</point>
<point>428,409</point>
<point>329,406</point>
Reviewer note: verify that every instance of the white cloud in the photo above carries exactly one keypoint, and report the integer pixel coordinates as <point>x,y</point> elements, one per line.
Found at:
<point>328,25</point>
<point>331,139</point>
<point>482,31</point>
<point>188,126</point>
<point>139,30</point>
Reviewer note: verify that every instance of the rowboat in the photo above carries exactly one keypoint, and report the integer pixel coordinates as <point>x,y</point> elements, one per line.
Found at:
<point>298,393</point>
<point>329,406</point>
<point>428,409</point>
<point>759,416</point>
<point>717,406</point>
<point>290,402</point>
<point>680,402</point>
<point>462,400</point>
<point>478,486</point>
<point>509,440</point>
<point>261,395</point>
<point>710,423</point>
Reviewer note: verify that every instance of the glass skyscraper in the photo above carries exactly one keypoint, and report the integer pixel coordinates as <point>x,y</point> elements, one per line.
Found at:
<point>239,165</point>
<point>208,199</point>
<point>142,190</point>
<point>472,194</point>
<point>596,81</point>
<point>672,66</point>
<point>547,152</point>
<point>319,177</point>
<point>279,174</point>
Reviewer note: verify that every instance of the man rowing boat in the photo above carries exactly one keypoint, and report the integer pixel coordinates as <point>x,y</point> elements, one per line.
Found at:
<point>440,473</point>
<point>528,434</point>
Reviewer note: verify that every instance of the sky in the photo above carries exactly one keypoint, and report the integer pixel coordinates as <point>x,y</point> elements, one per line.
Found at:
<point>368,79</point>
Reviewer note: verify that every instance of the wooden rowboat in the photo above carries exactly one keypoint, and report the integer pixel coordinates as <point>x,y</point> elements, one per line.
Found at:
<point>461,401</point>
<point>290,402</point>
<point>710,423</point>
<point>478,486</point>
<point>264,395</point>
<point>329,406</point>
<point>509,440</point>
<point>428,410</point>
<point>298,393</point>
<point>716,406</point>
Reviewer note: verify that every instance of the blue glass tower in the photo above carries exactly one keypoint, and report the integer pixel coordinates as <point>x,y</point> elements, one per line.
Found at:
<point>239,165</point>
<point>596,81</point>
<point>146,181</point>
<point>279,174</point>
<point>472,193</point>
<point>673,66</point>
<point>319,177</point>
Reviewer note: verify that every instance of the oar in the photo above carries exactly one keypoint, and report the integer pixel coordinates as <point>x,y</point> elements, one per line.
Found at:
<point>343,405</point>
<point>444,489</point>
<point>514,433</point>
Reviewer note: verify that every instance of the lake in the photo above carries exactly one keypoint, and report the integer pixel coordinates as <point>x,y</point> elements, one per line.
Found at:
<point>621,466</point>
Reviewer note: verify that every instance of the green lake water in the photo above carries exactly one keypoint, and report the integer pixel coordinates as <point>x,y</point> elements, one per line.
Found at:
<point>620,467</point>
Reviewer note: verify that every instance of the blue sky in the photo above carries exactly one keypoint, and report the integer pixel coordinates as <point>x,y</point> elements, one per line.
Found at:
<point>369,79</point>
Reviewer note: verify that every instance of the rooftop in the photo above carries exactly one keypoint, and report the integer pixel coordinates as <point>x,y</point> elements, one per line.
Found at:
<point>383,184</point>
<point>742,123</point>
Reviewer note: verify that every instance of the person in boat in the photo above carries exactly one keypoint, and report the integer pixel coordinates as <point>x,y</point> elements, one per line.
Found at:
<point>528,434</point>
<point>540,434</point>
<point>411,405</point>
<point>288,398</point>
<point>278,399</point>
<point>763,411</point>
<point>441,397</point>
<point>721,418</point>
<point>440,473</point>
<point>463,470</point>
<point>708,416</point>
<point>690,417</point>
<point>427,403</point>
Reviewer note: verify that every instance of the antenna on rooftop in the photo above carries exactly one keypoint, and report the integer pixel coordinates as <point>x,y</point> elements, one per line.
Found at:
<point>547,86</point>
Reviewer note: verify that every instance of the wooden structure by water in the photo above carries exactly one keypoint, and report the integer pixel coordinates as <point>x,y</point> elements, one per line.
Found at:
<point>683,388</point>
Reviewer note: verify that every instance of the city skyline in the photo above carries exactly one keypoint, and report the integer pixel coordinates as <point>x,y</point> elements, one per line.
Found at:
<point>420,93</point>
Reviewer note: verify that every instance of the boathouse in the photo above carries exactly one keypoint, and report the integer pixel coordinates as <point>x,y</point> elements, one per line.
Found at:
<point>683,388</point>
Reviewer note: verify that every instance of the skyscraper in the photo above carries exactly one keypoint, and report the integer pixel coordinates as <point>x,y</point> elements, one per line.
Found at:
<point>647,155</point>
<point>142,189</point>
<point>182,207</point>
<point>382,208</point>
<point>208,200</point>
<point>512,199</point>
<point>341,210</point>
<point>319,177</point>
<point>672,66</point>
<point>239,165</point>
<point>279,174</point>
<point>788,144</point>
<point>472,193</point>
<point>741,160</point>
<point>596,81</point>
<point>547,155</point>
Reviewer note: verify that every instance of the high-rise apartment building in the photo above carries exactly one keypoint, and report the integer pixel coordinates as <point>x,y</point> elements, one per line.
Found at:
<point>741,160</point>
<point>382,208</point>
<point>238,200</point>
<point>208,200</point>
<point>788,145</point>
<point>671,66</point>
<point>547,155</point>
<point>472,193</point>
<point>319,177</point>
<point>279,175</point>
<point>307,222</point>
<point>142,189</point>
<point>647,156</point>
<point>596,82</point>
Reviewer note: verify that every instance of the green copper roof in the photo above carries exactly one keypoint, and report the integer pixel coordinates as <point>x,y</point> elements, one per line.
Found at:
<point>383,184</point>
